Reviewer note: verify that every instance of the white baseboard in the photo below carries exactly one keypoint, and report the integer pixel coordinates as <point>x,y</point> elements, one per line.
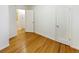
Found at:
<point>73,46</point>
<point>52,38</point>
<point>5,46</point>
<point>12,36</point>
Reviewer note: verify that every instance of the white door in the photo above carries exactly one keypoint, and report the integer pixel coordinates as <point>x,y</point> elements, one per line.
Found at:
<point>62,24</point>
<point>29,21</point>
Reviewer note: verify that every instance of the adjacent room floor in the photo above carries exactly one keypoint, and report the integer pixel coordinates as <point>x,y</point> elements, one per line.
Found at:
<point>33,43</point>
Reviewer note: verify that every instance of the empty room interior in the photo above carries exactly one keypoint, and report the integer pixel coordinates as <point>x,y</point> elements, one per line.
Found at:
<point>39,29</point>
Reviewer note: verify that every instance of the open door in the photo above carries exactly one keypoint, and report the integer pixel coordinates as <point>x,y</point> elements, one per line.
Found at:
<point>29,21</point>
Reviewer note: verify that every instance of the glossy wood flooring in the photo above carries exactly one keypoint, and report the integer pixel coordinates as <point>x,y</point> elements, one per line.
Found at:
<point>34,43</point>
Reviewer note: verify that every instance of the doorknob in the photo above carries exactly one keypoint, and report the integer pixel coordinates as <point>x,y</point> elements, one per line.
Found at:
<point>33,21</point>
<point>57,26</point>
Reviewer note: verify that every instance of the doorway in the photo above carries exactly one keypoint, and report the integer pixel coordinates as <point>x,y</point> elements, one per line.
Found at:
<point>20,20</point>
<point>25,20</point>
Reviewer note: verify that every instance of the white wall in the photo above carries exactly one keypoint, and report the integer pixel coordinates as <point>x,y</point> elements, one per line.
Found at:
<point>45,20</point>
<point>4,26</point>
<point>12,24</point>
<point>75,26</point>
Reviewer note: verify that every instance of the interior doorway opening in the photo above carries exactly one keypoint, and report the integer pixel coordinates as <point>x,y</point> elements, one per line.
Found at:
<point>20,19</point>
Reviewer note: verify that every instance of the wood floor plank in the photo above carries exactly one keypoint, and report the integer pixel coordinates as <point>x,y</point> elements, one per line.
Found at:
<point>29,42</point>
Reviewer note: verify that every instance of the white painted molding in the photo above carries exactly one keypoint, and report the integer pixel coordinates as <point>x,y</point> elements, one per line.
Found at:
<point>52,38</point>
<point>4,46</point>
<point>12,36</point>
<point>73,46</point>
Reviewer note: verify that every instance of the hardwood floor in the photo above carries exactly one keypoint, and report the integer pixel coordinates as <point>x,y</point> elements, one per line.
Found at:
<point>27,42</point>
